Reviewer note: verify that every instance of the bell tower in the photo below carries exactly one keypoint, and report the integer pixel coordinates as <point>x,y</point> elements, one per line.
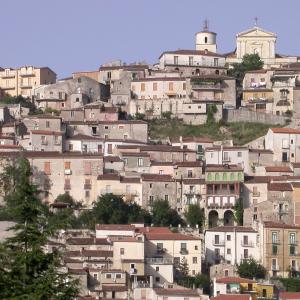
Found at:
<point>206,39</point>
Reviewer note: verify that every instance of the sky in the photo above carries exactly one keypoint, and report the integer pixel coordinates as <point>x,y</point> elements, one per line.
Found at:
<point>80,35</point>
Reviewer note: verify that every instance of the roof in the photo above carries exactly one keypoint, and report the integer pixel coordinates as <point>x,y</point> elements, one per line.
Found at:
<point>110,287</point>
<point>160,79</point>
<point>285,130</point>
<point>126,227</point>
<point>234,280</point>
<point>157,177</point>
<point>124,67</point>
<point>197,163</point>
<point>97,253</point>
<point>157,230</point>
<point>51,154</point>
<point>112,159</point>
<point>176,292</point>
<point>270,224</point>
<point>138,154</point>
<point>267,151</point>
<point>81,137</point>
<point>191,139</point>
<point>169,236</point>
<point>87,241</point>
<point>232,229</point>
<point>193,181</point>
<point>223,168</point>
<point>285,169</point>
<point>257,179</point>
<point>289,295</point>
<point>164,148</point>
<point>232,297</point>
<point>226,148</point>
<point>46,132</point>
<point>192,52</point>
<point>280,187</point>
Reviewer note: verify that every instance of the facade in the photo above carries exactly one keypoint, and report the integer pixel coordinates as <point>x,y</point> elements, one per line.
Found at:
<point>24,80</point>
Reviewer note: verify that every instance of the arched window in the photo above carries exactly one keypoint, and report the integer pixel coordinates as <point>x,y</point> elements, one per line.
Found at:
<point>231,176</point>
<point>217,72</point>
<point>209,176</point>
<point>217,177</point>
<point>224,176</point>
<point>205,40</point>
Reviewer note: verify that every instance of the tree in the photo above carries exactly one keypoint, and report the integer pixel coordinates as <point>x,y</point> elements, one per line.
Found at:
<point>164,215</point>
<point>251,269</point>
<point>26,271</point>
<point>211,111</point>
<point>239,212</point>
<point>291,284</point>
<point>194,215</point>
<point>182,269</point>
<point>250,62</point>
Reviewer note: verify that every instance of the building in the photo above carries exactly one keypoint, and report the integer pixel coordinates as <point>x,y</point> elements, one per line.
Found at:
<point>279,248</point>
<point>231,245</point>
<point>289,296</point>
<point>24,80</point>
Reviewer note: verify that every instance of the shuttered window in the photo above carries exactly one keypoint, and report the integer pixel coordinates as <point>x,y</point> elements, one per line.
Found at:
<point>47,168</point>
<point>87,168</point>
<point>67,165</point>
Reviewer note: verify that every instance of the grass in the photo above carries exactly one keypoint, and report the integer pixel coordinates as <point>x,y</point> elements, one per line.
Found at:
<point>241,133</point>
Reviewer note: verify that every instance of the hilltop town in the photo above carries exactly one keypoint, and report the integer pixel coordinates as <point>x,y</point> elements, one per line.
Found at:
<point>180,177</point>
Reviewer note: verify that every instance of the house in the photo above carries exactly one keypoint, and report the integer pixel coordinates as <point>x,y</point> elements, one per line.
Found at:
<point>231,244</point>
<point>289,296</point>
<point>284,142</point>
<point>279,248</point>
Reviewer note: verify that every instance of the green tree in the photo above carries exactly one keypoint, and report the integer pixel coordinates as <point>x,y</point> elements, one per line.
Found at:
<point>194,215</point>
<point>164,215</point>
<point>239,212</point>
<point>250,62</point>
<point>26,271</point>
<point>211,111</point>
<point>251,269</point>
<point>291,284</point>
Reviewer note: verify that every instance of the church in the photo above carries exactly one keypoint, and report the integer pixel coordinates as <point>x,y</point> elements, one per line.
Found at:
<point>260,41</point>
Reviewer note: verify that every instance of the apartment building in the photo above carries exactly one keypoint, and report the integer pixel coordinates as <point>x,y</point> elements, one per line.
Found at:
<point>284,142</point>
<point>231,244</point>
<point>280,248</point>
<point>223,187</point>
<point>24,80</point>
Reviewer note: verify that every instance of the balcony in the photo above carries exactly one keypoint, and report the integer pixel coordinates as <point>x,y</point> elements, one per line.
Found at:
<point>11,87</point>
<point>26,85</point>
<point>44,142</point>
<point>218,243</point>
<point>247,244</point>
<point>275,242</point>
<point>87,186</point>
<point>184,251</point>
<point>26,74</point>
<point>8,75</point>
<point>161,251</point>
<point>159,261</point>
<point>275,268</point>
<point>133,271</point>
<point>67,187</point>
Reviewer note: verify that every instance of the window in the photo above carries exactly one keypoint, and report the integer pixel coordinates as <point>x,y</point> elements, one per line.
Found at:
<point>228,251</point>
<point>157,279</point>
<point>292,250</point>
<point>175,60</point>
<point>70,147</point>
<point>140,162</point>
<point>226,273</point>
<point>194,260</point>
<point>120,127</point>
<point>190,173</point>
<point>292,238</point>
<point>167,197</point>
<point>151,200</point>
<point>196,247</point>
<point>159,246</point>
<point>184,86</point>
<point>166,185</point>
<point>216,62</point>
<point>47,124</point>
<point>108,276</point>
<point>183,246</point>
<point>47,168</point>
<point>109,148</point>
<point>154,86</point>
<point>106,127</point>
<point>157,269</point>
<point>67,165</point>
<point>171,86</point>
<point>143,87</point>
<point>87,194</point>
<point>77,99</point>
<point>292,142</point>
<point>94,130</point>
<point>125,136</point>
<point>191,60</point>
<point>274,250</point>
<point>122,251</point>
<point>239,154</point>
<point>118,276</point>
<point>274,237</point>
<point>150,185</point>
<point>228,237</point>
<point>246,254</point>
<point>95,275</point>
<point>161,172</point>
<point>87,168</point>
<point>44,141</point>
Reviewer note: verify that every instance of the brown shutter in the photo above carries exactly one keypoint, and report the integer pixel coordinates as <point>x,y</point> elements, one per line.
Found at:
<point>67,165</point>
<point>87,168</point>
<point>47,168</point>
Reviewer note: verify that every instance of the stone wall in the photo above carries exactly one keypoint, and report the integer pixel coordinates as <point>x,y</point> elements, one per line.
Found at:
<point>244,115</point>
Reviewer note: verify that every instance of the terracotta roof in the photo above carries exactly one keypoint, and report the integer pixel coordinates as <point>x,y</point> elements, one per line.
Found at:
<point>192,52</point>
<point>257,179</point>
<point>189,163</point>
<point>191,139</point>
<point>112,159</point>
<point>87,241</point>
<point>261,151</point>
<point>157,177</point>
<point>117,288</point>
<point>234,280</point>
<point>138,154</point>
<point>270,224</point>
<point>169,236</point>
<point>296,165</point>
<point>232,229</point>
<point>176,292</point>
<point>296,184</point>
<point>193,181</point>
<point>46,132</point>
<point>10,147</point>
<point>223,168</point>
<point>157,230</point>
<point>112,227</point>
<point>161,163</point>
<point>97,253</point>
<point>160,79</point>
<point>130,179</point>
<point>164,148</point>
<point>109,176</point>
<point>280,186</point>
<point>284,169</point>
<point>6,137</point>
<point>82,137</point>
<point>232,297</point>
<point>289,295</point>
<point>52,154</point>
<point>286,130</point>
<point>226,148</point>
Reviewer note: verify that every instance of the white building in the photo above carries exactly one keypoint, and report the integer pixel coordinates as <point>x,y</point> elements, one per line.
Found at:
<point>231,244</point>
<point>284,142</point>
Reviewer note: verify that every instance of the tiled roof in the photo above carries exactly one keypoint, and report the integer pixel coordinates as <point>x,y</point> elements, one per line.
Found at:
<point>189,163</point>
<point>191,139</point>
<point>280,186</point>
<point>192,52</point>
<point>161,163</point>
<point>87,241</point>
<point>97,253</point>
<point>257,179</point>
<point>157,230</point>
<point>270,224</point>
<point>193,181</point>
<point>232,297</point>
<point>157,178</point>
<point>52,154</point>
<point>223,168</point>
<point>278,169</point>
<point>176,292</point>
<point>226,148</point>
<point>234,280</point>
<point>137,154</point>
<point>286,130</point>
<point>164,148</point>
<point>46,132</point>
<point>289,295</point>
<point>112,159</point>
<point>160,79</point>
<point>125,227</point>
<point>232,229</point>
<point>170,236</point>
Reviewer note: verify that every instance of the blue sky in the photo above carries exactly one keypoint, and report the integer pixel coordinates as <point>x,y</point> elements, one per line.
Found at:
<point>77,35</point>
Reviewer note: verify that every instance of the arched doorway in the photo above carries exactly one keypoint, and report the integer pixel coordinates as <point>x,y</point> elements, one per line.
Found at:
<point>213,218</point>
<point>228,218</point>
<point>198,72</point>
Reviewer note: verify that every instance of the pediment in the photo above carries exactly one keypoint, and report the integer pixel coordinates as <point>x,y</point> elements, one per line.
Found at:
<point>256,32</point>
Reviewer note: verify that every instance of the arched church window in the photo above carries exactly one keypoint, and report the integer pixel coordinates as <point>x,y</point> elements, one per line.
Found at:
<point>205,40</point>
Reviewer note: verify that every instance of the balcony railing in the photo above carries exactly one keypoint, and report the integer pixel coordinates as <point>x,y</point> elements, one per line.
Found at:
<point>275,268</point>
<point>44,142</point>
<point>161,250</point>
<point>24,74</point>
<point>247,244</point>
<point>159,261</point>
<point>26,85</point>
<point>184,251</point>
<point>8,75</point>
<point>218,243</point>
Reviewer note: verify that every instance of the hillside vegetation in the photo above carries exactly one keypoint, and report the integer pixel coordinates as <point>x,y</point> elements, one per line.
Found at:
<point>241,133</point>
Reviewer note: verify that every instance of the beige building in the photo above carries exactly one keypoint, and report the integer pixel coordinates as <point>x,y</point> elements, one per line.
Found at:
<point>24,80</point>
<point>280,248</point>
